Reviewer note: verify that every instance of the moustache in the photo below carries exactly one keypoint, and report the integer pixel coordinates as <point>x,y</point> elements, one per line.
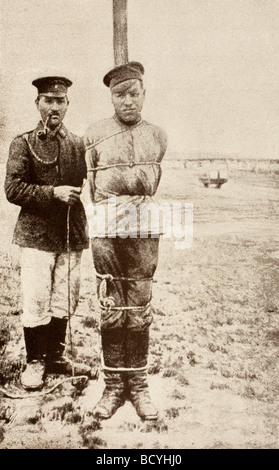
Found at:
<point>42,134</point>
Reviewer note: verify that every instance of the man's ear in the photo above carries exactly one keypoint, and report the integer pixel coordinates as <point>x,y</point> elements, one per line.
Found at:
<point>37,102</point>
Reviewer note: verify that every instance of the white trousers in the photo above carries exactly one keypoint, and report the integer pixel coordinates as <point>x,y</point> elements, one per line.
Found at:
<point>44,281</point>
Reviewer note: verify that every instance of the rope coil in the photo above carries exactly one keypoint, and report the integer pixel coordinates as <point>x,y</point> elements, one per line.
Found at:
<point>108,302</point>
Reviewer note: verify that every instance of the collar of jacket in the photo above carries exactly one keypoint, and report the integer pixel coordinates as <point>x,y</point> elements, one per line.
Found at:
<point>60,130</point>
<point>124,125</point>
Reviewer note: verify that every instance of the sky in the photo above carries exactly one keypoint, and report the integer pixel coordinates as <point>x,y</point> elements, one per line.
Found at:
<point>211,79</point>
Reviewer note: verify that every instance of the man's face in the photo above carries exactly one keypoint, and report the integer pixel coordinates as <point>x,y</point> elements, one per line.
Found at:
<point>52,107</point>
<point>128,98</point>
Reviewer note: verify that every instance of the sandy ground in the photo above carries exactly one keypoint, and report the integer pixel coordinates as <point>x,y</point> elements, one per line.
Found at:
<point>214,366</point>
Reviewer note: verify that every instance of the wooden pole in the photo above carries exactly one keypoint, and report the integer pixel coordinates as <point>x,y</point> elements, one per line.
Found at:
<point>120,28</point>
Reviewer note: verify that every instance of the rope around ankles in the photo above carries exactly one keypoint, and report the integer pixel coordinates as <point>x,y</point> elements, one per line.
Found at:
<point>122,369</point>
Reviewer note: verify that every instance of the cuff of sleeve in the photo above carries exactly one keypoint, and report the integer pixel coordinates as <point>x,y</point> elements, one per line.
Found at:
<point>49,191</point>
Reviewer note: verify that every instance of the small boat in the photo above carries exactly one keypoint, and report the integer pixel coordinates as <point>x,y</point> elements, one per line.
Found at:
<point>213,179</point>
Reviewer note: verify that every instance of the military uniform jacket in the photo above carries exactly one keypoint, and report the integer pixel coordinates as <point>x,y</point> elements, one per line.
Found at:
<point>35,166</point>
<point>124,162</point>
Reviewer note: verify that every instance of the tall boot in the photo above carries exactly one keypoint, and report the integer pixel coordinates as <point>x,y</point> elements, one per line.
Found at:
<point>56,362</point>
<point>36,347</point>
<point>136,357</point>
<point>113,355</point>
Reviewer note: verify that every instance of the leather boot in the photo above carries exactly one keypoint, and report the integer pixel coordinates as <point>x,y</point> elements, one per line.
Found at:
<point>136,357</point>
<point>113,354</point>
<point>36,346</point>
<point>56,362</point>
<point>113,396</point>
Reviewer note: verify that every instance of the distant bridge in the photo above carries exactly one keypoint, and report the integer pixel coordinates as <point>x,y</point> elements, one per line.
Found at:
<point>229,163</point>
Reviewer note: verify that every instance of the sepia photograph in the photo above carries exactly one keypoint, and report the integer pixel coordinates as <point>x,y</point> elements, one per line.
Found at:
<point>139,237</point>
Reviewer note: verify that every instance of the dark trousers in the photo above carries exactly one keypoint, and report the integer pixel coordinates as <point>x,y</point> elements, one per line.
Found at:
<point>136,260</point>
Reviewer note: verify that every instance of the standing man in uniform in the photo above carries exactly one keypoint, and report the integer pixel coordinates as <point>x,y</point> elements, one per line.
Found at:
<point>123,163</point>
<point>45,172</point>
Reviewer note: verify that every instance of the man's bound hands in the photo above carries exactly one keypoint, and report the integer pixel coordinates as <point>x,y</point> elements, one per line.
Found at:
<point>68,194</point>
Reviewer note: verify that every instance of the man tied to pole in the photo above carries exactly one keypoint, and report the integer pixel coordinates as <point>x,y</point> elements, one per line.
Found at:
<point>45,172</point>
<point>123,160</point>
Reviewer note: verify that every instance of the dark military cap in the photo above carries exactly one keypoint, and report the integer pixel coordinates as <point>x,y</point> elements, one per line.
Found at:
<point>52,85</point>
<point>131,70</point>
